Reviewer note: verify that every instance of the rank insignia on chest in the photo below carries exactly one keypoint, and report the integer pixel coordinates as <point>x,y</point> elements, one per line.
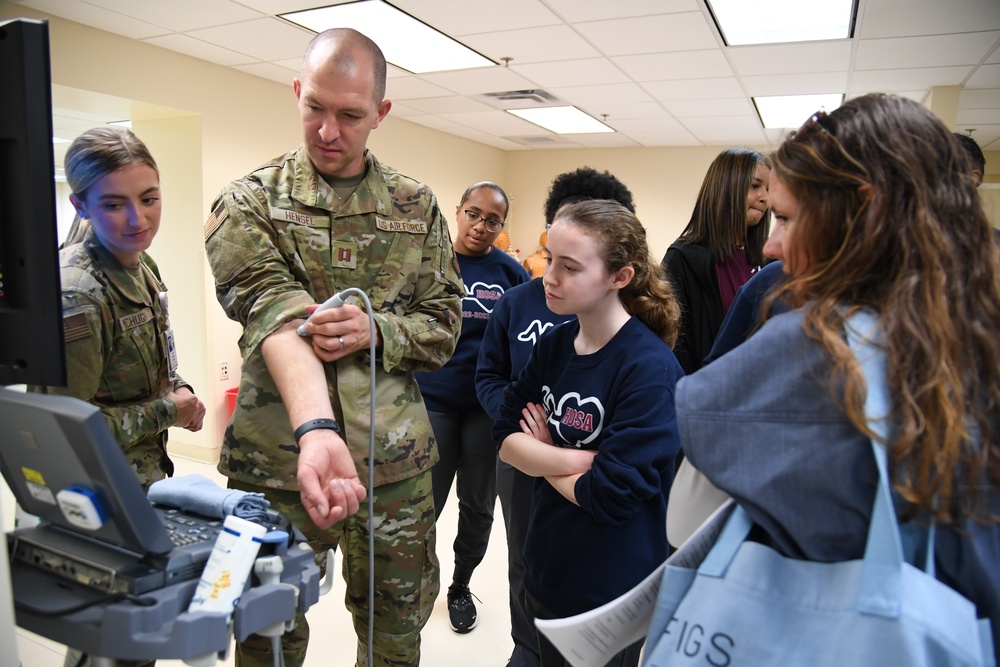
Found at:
<point>344,254</point>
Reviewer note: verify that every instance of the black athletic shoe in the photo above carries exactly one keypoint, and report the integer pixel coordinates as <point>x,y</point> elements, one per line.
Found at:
<point>461,609</point>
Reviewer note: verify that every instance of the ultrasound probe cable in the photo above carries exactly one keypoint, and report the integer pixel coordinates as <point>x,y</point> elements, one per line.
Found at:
<point>336,301</point>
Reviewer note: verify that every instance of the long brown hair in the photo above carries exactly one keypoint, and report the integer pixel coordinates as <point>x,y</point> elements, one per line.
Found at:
<point>648,296</point>
<point>719,218</point>
<point>889,220</point>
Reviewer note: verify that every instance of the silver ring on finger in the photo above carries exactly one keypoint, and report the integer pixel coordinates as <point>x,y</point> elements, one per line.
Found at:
<point>341,339</point>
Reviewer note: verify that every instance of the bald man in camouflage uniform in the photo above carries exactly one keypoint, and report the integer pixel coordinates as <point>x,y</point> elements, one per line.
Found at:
<point>287,237</point>
<point>115,325</point>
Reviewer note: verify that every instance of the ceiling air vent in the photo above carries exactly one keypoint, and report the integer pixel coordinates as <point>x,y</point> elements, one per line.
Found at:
<point>521,99</point>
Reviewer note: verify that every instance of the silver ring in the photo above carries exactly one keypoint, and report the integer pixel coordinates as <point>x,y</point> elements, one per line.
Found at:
<point>341,339</point>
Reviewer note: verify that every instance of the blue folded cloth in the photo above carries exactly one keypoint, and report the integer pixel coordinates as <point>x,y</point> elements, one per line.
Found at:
<point>196,493</point>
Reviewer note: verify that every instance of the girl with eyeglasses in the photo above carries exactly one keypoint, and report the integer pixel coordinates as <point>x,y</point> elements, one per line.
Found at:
<point>461,426</point>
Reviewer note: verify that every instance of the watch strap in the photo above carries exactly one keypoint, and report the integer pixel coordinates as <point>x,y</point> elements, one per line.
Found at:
<point>313,424</point>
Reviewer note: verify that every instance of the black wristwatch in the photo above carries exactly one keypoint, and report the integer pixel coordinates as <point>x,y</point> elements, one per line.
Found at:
<point>314,424</point>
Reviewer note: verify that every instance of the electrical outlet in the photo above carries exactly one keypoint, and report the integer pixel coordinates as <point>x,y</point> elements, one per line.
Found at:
<point>224,370</point>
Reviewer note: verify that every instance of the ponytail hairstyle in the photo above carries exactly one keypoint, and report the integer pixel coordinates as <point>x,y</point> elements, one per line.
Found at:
<point>95,154</point>
<point>648,296</point>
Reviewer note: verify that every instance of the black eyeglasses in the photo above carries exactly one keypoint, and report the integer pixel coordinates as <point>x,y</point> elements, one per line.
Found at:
<point>492,224</point>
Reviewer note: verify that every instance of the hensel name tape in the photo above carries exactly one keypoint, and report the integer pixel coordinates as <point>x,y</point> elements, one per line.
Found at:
<point>286,215</point>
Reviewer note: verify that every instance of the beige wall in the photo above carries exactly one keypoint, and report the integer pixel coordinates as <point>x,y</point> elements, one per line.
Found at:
<point>207,124</point>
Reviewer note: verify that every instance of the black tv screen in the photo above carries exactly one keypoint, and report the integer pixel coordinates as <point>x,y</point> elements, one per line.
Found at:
<point>31,335</point>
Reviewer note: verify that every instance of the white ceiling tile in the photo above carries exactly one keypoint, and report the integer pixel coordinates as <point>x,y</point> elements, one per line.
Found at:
<point>641,111</point>
<point>895,80</point>
<point>932,51</point>
<point>776,135</point>
<point>662,124</point>
<point>743,123</point>
<point>616,92</point>
<point>413,87</point>
<point>677,138</point>
<point>265,39</point>
<point>729,138</point>
<point>447,105</point>
<point>796,84</point>
<point>694,89</point>
<point>497,122</point>
<point>901,18</point>
<point>799,58</point>
<point>986,76</point>
<point>391,71</point>
<point>995,57</point>
<point>732,106</point>
<point>181,15</point>
<point>650,34</point>
<point>401,110</point>
<point>590,71</point>
<point>87,14</point>
<point>605,140</point>
<point>979,99</point>
<point>479,80</point>
<point>466,17</point>
<point>978,116</point>
<point>275,7</point>
<point>270,71</point>
<point>533,45</point>
<point>576,11</point>
<point>671,66</point>
<point>199,49</point>
<point>295,64</point>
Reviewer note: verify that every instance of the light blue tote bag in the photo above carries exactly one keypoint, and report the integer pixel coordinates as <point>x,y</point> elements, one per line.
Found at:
<point>746,605</point>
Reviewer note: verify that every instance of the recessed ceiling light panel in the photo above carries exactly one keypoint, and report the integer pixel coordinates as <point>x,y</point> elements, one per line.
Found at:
<point>406,42</point>
<point>791,111</point>
<point>562,120</point>
<point>773,21</point>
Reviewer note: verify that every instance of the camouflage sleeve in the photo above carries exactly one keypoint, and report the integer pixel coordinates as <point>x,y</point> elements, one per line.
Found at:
<point>252,281</point>
<point>424,337</point>
<point>89,330</point>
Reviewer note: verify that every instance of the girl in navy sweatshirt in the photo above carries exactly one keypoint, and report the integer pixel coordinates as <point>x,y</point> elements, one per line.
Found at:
<point>592,418</point>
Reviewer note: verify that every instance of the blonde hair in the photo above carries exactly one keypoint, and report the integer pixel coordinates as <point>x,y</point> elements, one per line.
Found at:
<point>95,154</point>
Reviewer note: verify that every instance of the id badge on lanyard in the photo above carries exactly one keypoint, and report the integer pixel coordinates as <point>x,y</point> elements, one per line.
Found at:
<point>169,335</point>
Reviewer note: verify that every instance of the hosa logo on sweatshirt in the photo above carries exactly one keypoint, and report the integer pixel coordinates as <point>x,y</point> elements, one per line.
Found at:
<point>481,297</point>
<point>576,420</point>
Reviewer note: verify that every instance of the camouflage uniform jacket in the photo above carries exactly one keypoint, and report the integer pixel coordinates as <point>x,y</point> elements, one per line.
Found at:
<point>280,239</point>
<point>116,350</point>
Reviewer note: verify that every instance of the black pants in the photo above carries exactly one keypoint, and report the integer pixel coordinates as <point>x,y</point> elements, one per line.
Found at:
<point>468,456</point>
<point>514,489</point>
